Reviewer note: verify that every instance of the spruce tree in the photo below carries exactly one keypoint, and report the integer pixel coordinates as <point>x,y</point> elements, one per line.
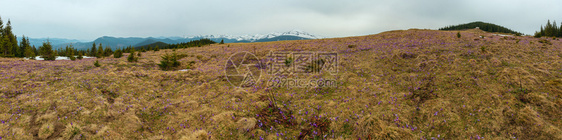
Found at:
<point>99,54</point>
<point>56,53</point>
<point>29,53</point>
<point>107,52</point>
<point>1,36</point>
<point>131,57</point>
<point>131,49</point>
<point>71,55</point>
<point>35,50</point>
<point>47,52</point>
<point>15,50</point>
<point>12,47</point>
<point>222,41</point>
<point>169,62</point>
<point>548,29</point>
<point>27,44</point>
<point>93,50</point>
<point>97,64</point>
<point>560,30</point>
<point>63,52</point>
<point>80,56</point>
<point>6,40</point>
<point>118,53</point>
<point>554,29</point>
<point>1,44</point>
<point>541,33</point>
<point>22,47</point>
<point>1,26</point>
<point>5,45</point>
<point>27,50</point>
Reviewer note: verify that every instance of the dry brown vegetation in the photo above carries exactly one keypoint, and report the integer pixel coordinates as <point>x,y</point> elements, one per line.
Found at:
<point>400,84</point>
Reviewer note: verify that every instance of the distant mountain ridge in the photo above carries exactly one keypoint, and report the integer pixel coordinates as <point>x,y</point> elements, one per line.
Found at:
<point>117,42</point>
<point>39,41</point>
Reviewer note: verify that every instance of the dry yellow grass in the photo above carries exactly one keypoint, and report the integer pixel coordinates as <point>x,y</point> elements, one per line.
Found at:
<point>399,84</point>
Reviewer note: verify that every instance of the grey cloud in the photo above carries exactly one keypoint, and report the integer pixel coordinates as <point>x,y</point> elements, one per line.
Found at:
<point>330,18</point>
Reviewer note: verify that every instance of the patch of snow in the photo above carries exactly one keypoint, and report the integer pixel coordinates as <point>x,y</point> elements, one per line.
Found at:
<point>300,33</point>
<point>252,38</point>
<point>58,58</point>
<point>502,35</point>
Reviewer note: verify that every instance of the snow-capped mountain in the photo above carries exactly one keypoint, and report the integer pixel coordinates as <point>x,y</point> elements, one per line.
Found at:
<point>257,37</point>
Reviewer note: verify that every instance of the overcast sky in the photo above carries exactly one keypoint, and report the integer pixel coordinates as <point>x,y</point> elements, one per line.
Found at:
<point>87,20</point>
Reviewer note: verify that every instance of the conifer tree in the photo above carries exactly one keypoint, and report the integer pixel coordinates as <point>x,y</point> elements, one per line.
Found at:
<point>55,52</point>
<point>99,54</point>
<point>13,46</point>
<point>118,53</point>
<point>47,52</point>
<point>131,57</point>
<point>107,52</point>
<point>1,26</point>
<point>27,43</point>
<point>35,50</point>
<point>555,29</point>
<point>1,36</point>
<point>547,28</point>
<point>9,41</point>
<point>80,56</point>
<point>71,55</point>
<point>27,50</point>
<point>539,33</point>
<point>169,62</point>
<point>550,30</point>
<point>29,53</point>
<point>22,46</point>
<point>93,50</point>
<point>560,30</point>
<point>5,45</point>
<point>97,64</point>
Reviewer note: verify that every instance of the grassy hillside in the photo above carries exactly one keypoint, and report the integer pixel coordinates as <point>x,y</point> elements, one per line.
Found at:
<point>399,84</point>
<point>489,27</point>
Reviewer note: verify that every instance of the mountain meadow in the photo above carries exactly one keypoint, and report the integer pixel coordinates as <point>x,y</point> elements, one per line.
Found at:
<point>402,84</point>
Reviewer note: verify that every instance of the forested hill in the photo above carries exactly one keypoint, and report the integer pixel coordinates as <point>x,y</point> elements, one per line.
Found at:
<point>489,27</point>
